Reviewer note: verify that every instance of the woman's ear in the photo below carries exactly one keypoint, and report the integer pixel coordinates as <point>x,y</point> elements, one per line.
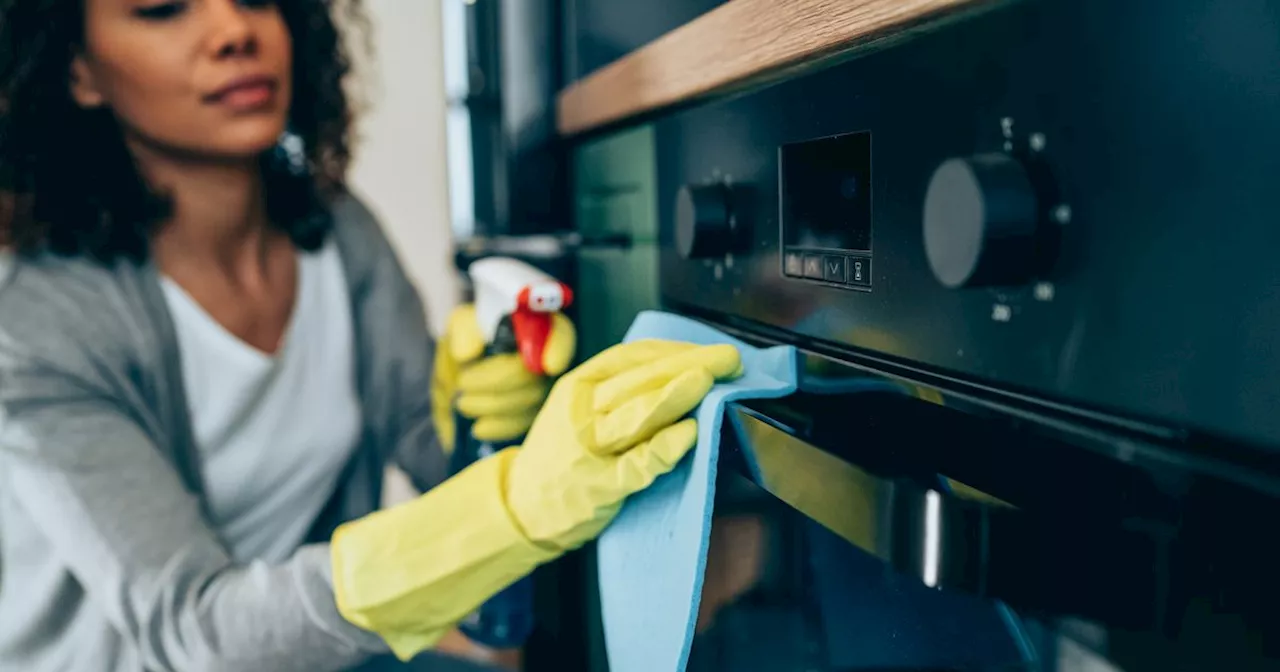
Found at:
<point>84,87</point>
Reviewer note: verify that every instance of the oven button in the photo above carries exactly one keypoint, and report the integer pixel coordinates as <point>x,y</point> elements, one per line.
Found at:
<point>980,222</point>
<point>813,267</point>
<point>833,269</point>
<point>859,271</point>
<point>705,223</point>
<point>793,264</point>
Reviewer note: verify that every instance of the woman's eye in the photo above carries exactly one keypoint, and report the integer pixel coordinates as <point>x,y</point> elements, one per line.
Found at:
<point>160,12</point>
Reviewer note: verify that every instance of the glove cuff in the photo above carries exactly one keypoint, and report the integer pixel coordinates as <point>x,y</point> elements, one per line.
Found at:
<point>411,572</point>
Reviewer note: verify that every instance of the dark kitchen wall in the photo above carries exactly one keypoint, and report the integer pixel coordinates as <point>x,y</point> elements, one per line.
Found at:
<point>598,32</point>
<point>521,53</point>
<point>514,50</point>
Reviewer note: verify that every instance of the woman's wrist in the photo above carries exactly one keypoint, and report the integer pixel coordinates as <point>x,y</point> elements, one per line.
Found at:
<point>409,573</point>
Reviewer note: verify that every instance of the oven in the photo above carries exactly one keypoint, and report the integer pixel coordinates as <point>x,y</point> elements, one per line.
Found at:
<point>1046,230</point>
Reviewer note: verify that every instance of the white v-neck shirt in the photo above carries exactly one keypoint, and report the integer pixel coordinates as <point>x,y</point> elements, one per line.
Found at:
<point>274,431</point>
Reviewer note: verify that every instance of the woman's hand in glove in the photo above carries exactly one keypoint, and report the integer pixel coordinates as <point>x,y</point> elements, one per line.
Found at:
<point>608,429</point>
<point>497,392</point>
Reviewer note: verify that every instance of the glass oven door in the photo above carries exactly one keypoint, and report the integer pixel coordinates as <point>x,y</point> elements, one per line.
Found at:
<point>857,532</point>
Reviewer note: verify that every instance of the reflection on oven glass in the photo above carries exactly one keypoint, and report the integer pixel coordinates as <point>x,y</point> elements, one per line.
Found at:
<point>784,594</point>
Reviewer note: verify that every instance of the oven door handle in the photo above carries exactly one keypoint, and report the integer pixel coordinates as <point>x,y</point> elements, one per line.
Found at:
<point>888,503</point>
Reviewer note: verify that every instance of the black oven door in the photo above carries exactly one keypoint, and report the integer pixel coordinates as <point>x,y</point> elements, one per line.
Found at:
<point>864,532</point>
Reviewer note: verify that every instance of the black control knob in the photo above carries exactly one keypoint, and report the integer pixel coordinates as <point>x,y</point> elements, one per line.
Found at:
<point>981,216</point>
<point>705,223</point>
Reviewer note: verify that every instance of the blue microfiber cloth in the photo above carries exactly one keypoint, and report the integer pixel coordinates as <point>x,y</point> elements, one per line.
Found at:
<point>652,558</point>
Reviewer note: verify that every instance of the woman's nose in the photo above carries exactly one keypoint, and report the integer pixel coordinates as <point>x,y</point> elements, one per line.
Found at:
<point>231,31</point>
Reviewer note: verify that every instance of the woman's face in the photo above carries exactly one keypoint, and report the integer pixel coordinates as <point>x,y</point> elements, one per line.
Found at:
<point>197,77</point>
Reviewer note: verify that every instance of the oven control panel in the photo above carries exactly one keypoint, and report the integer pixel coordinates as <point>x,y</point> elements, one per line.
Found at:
<point>825,210</point>
<point>1065,200</point>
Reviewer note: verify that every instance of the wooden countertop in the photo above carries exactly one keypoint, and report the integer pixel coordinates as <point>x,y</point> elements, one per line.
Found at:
<point>738,41</point>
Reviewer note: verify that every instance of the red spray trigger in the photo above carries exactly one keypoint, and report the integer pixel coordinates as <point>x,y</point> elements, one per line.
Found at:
<point>531,321</point>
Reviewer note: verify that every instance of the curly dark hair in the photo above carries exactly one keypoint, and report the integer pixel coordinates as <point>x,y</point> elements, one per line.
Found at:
<point>69,186</point>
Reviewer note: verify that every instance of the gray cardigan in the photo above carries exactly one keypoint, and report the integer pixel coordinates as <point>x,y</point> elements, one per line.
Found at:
<point>106,559</point>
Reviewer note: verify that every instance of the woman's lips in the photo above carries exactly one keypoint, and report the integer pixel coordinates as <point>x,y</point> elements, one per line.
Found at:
<point>245,93</point>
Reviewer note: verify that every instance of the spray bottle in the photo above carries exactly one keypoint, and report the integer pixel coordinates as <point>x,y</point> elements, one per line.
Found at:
<point>515,303</point>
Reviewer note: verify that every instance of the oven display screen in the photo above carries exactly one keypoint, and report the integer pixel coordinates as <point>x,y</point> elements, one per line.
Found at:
<point>826,193</point>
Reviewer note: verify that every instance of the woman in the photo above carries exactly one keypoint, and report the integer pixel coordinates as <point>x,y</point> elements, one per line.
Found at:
<point>208,353</point>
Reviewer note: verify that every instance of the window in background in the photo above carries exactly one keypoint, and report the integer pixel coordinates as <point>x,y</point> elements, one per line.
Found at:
<point>457,88</point>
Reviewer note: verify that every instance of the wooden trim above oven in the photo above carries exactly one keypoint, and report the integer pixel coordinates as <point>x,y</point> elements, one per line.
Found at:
<point>738,41</point>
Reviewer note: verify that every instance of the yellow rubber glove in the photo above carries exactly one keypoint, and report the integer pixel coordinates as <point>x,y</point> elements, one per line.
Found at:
<point>497,392</point>
<point>607,430</point>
